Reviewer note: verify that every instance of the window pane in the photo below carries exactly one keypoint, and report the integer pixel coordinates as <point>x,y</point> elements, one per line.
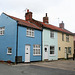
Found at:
<point>36,51</point>
<point>39,51</point>
<point>59,48</point>
<point>51,49</point>
<point>33,51</point>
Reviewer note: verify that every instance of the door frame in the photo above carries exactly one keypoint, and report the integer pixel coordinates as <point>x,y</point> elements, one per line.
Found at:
<point>25,52</point>
<point>66,52</point>
<point>47,52</point>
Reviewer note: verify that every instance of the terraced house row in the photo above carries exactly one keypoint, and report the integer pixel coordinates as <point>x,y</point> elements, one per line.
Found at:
<point>31,40</point>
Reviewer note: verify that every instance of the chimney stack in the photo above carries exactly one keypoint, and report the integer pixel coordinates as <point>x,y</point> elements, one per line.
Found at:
<point>61,25</point>
<point>28,15</point>
<point>45,19</point>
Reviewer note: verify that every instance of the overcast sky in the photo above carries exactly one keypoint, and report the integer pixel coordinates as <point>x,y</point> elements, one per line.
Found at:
<point>58,10</point>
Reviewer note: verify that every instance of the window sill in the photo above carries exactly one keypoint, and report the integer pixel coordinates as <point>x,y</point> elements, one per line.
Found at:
<point>36,54</point>
<point>52,37</point>
<point>52,55</point>
<point>30,36</point>
<point>2,35</point>
<point>9,53</point>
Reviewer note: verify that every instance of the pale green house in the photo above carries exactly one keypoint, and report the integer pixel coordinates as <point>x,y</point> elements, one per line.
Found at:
<point>49,45</point>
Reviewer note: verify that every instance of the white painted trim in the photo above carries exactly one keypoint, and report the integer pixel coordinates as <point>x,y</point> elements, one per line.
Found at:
<point>7,50</point>
<point>9,53</point>
<point>36,54</point>
<point>52,54</point>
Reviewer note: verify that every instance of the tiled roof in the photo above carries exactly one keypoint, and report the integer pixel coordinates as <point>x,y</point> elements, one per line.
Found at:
<point>52,27</point>
<point>24,23</point>
<point>56,28</point>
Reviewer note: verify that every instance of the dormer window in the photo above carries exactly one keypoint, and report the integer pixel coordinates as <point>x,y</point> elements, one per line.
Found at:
<point>30,32</point>
<point>2,29</point>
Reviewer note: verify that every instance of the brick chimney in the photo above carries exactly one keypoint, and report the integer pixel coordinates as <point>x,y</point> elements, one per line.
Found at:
<point>45,19</point>
<point>61,25</point>
<point>28,15</point>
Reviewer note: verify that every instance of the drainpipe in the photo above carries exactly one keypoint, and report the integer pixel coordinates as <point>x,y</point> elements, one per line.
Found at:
<point>41,45</point>
<point>17,45</point>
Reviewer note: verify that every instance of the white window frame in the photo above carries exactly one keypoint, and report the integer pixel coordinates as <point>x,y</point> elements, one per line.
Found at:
<point>2,29</point>
<point>53,50</point>
<point>9,51</point>
<point>30,32</point>
<point>35,49</point>
<point>52,34</point>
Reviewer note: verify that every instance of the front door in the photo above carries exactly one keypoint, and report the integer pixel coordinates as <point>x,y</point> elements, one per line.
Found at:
<point>27,53</point>
<point>46,52</point>
<point>65,52</point>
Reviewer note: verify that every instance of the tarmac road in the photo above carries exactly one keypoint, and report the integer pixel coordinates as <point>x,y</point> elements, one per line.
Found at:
<point>29,69</point>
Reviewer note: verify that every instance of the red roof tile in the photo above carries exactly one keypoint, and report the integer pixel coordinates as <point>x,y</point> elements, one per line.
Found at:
<point>52,27</point>
<point>56,28</point>
<point>24,23</point>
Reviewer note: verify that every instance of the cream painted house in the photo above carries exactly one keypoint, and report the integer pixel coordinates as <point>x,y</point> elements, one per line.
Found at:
<point>65,43</point>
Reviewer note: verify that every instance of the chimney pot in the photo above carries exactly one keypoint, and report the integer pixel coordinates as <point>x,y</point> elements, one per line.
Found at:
<point>46,14</point>
<point>28,15</point>
<point>27,10</point>
<point>61,25</point>
<point>45,19</point>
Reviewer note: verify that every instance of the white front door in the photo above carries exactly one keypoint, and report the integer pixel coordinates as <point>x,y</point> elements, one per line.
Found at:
<point>27,53</point>
<point>46,52</point>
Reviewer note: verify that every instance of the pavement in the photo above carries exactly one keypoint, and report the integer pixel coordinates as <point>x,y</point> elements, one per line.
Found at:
<point>60,67</point>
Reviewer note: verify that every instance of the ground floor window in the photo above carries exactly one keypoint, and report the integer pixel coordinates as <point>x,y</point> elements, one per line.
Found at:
<point>52,50</point>
<point>9,50</point>
<point>36,50</point>
<point>59,48</point>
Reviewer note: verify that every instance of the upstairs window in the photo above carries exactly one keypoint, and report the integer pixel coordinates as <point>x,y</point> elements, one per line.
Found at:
<point>62,37</point>
<point>67,38</point>
<point>2,29</point>
<point>30,32</point>
<point>52,34</point>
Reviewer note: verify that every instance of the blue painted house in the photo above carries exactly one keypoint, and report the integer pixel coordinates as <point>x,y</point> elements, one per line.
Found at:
<point>20,40</point>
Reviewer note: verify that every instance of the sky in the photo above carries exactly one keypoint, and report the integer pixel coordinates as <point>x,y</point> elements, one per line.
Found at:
<point>57,10</point>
